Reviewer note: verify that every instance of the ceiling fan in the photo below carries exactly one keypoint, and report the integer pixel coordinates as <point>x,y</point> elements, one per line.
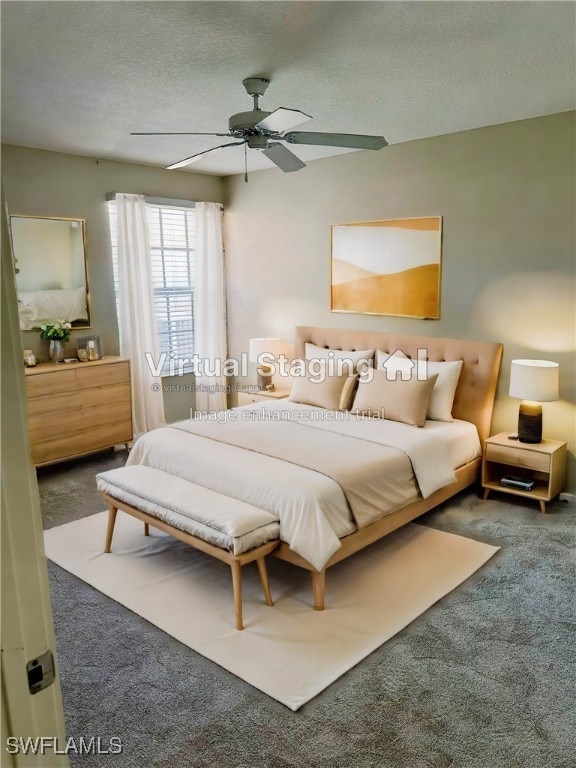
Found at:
<point>265,130</point>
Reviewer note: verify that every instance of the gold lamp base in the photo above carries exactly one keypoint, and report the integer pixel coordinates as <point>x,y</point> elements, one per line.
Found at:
<point>530,422</point>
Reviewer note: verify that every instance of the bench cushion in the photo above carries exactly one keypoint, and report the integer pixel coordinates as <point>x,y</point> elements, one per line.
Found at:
<point>221,520</point>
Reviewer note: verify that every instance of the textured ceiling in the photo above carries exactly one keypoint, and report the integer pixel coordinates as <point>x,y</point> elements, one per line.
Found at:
<point>78,77</point>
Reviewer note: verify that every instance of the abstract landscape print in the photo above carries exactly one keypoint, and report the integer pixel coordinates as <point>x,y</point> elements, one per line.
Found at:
<point>387,267</point>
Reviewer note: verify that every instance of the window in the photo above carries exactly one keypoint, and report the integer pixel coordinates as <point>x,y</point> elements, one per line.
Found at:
<point>172,233</point>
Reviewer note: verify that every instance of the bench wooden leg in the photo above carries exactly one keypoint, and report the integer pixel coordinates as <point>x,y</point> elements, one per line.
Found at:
<point>146,529</point>
<point>112,510</point>
<point>318,588</point>
<point>263,571</point>
<point>237,587</point>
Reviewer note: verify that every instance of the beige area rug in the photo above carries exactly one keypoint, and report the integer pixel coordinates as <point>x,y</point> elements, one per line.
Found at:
<point>290,651</point>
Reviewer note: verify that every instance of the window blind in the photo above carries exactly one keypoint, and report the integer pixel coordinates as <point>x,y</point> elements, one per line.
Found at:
<point>172,234</point>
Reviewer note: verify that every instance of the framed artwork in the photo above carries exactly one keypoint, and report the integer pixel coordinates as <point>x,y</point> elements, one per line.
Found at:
<point>387,267</point>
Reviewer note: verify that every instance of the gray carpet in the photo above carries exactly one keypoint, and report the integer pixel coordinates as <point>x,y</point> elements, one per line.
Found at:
<point>485,679</point>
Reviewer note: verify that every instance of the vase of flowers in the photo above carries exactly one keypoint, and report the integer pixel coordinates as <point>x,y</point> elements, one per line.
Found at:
<point>56,333</point>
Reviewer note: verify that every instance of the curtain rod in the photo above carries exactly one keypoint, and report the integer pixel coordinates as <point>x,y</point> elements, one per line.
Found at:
<point>165,201</point>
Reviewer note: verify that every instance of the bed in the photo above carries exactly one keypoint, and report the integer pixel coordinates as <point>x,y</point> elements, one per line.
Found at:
<point>39,307</point>
<point>338,486</point>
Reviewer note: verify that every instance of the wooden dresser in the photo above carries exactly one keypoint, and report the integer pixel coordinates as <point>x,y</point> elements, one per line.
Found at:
<point>77,408</point>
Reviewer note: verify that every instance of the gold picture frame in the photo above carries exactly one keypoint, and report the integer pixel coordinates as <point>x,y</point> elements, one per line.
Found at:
<point>388,267</point>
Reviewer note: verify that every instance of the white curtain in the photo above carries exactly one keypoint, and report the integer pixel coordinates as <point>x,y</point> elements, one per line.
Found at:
<point>210,309</point>
<point>136,313</point>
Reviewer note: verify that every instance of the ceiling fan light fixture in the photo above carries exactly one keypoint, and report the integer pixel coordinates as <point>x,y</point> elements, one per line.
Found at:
<point>257,141</point>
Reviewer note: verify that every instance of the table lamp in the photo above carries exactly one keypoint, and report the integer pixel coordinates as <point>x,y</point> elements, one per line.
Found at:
<point>534,382</point>
<point>273,348</point>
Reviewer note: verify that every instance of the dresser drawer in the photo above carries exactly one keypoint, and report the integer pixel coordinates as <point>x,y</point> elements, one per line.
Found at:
<point>51,383</point>
<point>47,405</point>
<point>69,446</point>
<point>104,397</point>
<point>54,425</point>
<point>111,413</point>
<point>103,375</point>
<point>518,458</point>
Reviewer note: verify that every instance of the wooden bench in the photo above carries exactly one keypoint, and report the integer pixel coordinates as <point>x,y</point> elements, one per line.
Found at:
<point>227,529</point>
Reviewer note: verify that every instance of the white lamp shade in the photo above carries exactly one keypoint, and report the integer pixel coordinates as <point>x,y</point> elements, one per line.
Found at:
<point>274,347</point>
<point>534,380</point>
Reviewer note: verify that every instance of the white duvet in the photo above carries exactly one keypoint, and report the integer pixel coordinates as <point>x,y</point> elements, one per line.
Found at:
<point>311,506</point>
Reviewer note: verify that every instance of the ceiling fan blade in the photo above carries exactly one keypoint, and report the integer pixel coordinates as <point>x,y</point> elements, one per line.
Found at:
<point>352,140</point>
<point>282,119</point>
<point>200,155</point>
<point>283,158</point>
<point>177,133</point>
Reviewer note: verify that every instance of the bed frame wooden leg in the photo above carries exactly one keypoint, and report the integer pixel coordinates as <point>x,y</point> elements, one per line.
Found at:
<point>318,588</point>
<point>263,571</point>
<point>237,587</point>
<point>112,510</point>
<point>146,529</point>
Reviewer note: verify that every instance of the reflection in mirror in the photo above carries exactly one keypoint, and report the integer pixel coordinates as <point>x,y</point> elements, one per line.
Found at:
<point>51,277</point>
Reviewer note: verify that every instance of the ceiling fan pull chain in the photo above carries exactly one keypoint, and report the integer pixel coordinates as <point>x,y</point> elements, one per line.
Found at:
<point>245,162</point>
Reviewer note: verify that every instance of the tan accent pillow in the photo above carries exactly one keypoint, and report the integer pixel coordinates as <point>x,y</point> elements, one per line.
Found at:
<point>322,391</point>
<point>442,400</point>
<point>347,397</point>
<point>395,399</point>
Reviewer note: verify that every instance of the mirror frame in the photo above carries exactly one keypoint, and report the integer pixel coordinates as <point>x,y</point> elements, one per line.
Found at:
<point>82,222</point>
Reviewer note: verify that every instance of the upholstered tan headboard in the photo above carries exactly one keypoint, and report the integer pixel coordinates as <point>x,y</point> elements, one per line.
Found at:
<point>476,389</point>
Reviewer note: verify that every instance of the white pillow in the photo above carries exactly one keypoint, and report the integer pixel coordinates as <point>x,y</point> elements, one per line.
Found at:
<point>440,407</point>
<point>359,359</point>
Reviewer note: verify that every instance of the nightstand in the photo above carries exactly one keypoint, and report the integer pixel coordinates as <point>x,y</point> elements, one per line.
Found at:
<point>544,463</point>
<point>245,398</point>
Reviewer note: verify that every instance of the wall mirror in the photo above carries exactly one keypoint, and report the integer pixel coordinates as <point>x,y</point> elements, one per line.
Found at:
<point>51,276</point>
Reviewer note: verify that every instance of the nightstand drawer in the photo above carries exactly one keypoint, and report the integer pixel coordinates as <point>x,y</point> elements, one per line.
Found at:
<point>245,398</point>
<point>517,457</point>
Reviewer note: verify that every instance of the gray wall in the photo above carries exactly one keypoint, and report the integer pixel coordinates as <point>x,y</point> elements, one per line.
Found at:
<point>506,194</point>
<point>43,183</point>
<point>507,197</point>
